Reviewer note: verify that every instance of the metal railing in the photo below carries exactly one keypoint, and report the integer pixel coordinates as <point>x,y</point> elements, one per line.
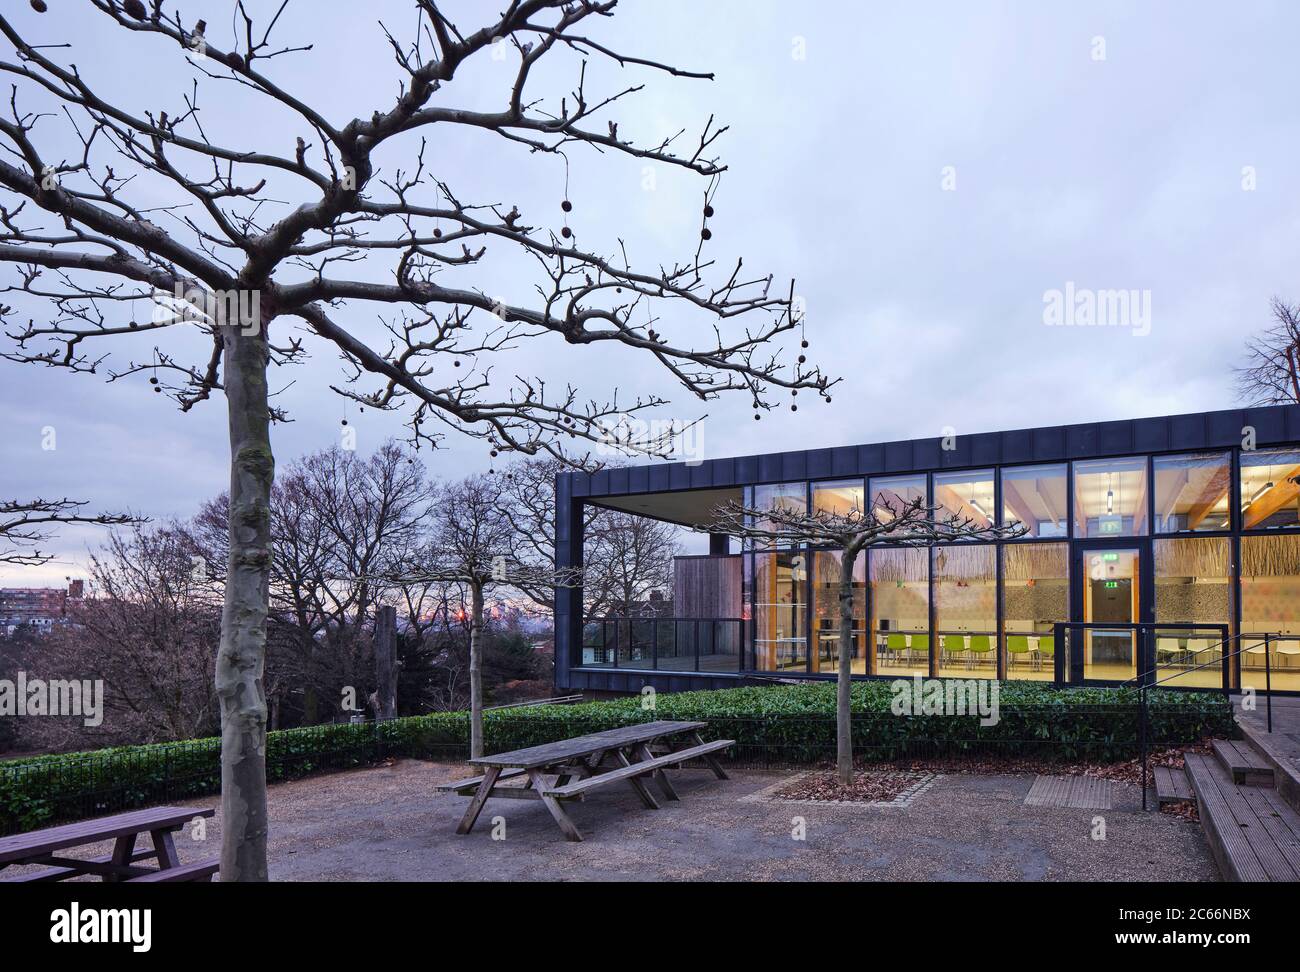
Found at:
<point>663,644</point>
<point>1145,683</point>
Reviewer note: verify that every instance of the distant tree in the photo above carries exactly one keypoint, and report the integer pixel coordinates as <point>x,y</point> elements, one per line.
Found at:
<point>625,556</point>
<point>1271,375</point>
<point>910,524</point>
<point>166,223</point>
<point>148,628</point>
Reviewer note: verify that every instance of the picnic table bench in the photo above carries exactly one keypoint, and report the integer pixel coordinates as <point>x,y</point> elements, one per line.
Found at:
<point>123,864</point>
<point>585,763</point>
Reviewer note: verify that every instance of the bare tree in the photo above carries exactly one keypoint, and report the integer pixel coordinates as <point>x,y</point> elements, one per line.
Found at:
<point>26,524</point>
<point>909,524</point>
<point>254,238</point>
<point>1271,375</point>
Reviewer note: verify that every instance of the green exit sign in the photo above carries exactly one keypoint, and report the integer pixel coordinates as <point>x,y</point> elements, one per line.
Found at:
<point>1110,556</point>
<point>1112,584</point>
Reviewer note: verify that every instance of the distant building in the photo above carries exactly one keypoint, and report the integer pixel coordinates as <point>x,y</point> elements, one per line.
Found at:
<point>37,607</point>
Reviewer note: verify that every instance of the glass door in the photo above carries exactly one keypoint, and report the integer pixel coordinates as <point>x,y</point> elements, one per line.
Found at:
<point>1112,580</point>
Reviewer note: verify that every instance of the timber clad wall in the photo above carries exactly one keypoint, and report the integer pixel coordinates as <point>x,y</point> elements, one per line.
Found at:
<point>707,587</point>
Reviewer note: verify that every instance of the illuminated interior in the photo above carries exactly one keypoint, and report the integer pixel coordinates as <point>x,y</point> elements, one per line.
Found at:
<point>900,610</point>
<point>1270,489</point>
<point>1193,493</point>
<point>1037,496</point>
<point>1110,498</point>
<point>891,495</point>
<point>966,610</point>
<point>1035,595</point>
<point>826,612</point>
<point>967,496</point>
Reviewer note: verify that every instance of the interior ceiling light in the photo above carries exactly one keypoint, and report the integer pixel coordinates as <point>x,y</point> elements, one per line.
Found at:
<point>1259,492</point>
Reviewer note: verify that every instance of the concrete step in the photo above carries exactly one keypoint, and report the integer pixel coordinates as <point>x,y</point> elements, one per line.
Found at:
<point>1253,834</point>
<point>1241,760</point>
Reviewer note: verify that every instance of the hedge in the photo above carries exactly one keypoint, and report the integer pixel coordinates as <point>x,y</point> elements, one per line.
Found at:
<point>772,725</point>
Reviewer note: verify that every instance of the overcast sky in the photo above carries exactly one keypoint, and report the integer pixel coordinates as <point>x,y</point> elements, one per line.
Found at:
<point>925,172</point>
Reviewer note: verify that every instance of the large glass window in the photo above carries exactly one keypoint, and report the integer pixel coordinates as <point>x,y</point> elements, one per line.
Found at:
<point>838,498</point>
<point>966,495</point>
<point>1270,489</point>
<point>1036,496</point>
<point>778,496</point>
<point>900,610</point>
<point>1035,595</point>
<point>1111,596</point>
<point>1193,493</point>
<point>826,611</point>
<point>1192,585</point>
<point>1110,498</point>
<point>889,496</point>
<point>780,642</point>
<point>1270,603</point>
<point>966,610</point>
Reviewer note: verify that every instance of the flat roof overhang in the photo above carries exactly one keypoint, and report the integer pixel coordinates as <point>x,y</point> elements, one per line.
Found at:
<point>689,508</point>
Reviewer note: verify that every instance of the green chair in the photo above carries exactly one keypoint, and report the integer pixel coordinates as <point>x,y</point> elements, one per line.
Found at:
<point>981,649</point>
<point>954,644</point>
<point>1047,648</point>
<point>921,645</point>
<point>1017,645</point>
<point>896,643</point>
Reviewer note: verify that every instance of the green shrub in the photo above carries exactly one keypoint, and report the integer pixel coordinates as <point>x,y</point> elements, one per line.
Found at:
<point>771,724</point>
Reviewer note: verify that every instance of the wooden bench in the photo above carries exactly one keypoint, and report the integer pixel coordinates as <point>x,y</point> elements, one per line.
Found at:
<point>63,873</point>
<point>613,755</point>
<point>643,768</point>
<point>198,871</point>
<point>47,848</point>
<point>463,786</point>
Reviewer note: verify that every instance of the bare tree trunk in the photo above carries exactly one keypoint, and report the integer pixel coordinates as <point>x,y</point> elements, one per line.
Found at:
<point>476,672</point>
<point>242,655</point>
<point>843,696</point>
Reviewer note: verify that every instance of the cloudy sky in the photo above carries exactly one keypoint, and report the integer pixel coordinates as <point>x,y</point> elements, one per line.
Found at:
<point>926,173</point>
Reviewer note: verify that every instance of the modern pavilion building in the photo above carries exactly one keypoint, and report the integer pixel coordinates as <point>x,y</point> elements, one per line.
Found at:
<point>1158,549</point>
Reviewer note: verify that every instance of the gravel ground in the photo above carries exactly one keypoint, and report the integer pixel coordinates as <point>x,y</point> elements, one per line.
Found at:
<point>387,824</point>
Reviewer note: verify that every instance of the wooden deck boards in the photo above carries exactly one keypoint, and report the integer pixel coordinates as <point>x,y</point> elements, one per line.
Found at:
<point>1241,760</point>
<point>1253,834</point>
<point>1173,786</point>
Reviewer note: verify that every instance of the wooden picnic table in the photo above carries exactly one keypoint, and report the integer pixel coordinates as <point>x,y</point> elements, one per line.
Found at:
<point>44,847</point>
<point>584,763</point>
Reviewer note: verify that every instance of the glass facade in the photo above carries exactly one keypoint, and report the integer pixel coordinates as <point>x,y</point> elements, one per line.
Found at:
<point>1193,494</point>
<point>1037,497</point>
<point>1270,489</point>
<point>966,609</point>
<point>1035,595</point>
<point>1110,498</point>
<point>1193,580</point>
<point>1270,611</point>
<point>780,639</point>
<point>966,496</point>
<point>839,498</point>
<point>900,610</point>
<point>1145,560</point>
<point>827,586</point>
<point>890,495</point>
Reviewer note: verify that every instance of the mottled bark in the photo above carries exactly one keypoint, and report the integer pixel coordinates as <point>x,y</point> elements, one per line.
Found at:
<point>242,655</point>
<point>476,671</point>
<point>844,679</point>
